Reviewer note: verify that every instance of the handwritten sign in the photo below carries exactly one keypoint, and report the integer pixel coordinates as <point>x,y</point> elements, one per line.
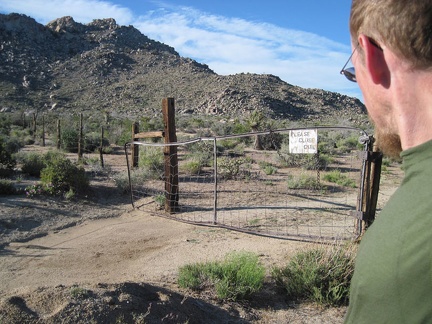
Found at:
<point>303,141</point>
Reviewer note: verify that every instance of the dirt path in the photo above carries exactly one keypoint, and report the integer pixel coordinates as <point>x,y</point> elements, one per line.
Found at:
<point>133,247</point>
<point>124,269</point>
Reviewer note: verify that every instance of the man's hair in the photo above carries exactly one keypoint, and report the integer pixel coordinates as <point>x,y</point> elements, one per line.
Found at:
<point>405,26</point>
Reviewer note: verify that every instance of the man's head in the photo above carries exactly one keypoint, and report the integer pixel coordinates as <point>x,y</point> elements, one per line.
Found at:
<point>403,26</point>
<point>392,38</point>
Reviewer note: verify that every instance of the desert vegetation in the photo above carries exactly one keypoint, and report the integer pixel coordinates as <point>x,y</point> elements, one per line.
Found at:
<point>321,275</point>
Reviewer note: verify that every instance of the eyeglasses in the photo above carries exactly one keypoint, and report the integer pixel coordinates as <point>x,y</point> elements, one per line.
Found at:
<point>349,72</point>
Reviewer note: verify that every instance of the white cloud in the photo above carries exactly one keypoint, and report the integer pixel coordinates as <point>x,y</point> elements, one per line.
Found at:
<point>232,45</point>
<point>227,45</point>
<point>82,11</point>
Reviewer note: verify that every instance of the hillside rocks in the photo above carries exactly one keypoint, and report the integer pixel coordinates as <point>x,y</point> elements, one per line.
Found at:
<point>66,66</point>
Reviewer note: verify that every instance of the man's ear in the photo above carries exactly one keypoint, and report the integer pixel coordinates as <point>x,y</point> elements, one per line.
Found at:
<point>375,61</point>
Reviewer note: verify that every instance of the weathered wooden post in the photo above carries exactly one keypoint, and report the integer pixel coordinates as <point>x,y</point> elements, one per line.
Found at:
<point>43,130</point>
<point>170,155</point>
<point>34,124</point>
<point>135,147</point>
<point>101,147</point>
<point>375,177</point>
<point>80,138</point>
<point>58,134</point>
<point>368,198</point>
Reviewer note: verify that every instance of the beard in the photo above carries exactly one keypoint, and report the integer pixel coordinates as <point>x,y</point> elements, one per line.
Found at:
<point>388,143</point>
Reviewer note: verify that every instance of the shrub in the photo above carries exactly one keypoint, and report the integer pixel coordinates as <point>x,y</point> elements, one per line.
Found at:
<point>347,144</point>
<point>267,167</point>
<point>339,178</point>
<point>7,161</point>
<point>69,140</point>
<point>192,167</point>
<point>151,160</point>
<point>231,168</point>
<point>92,142</point>
<point>322,275</point>
<point>32,163</point>
<point>7,187</point>
<point>237,277</point>
<point>303,181</point>
<point>61,175</point>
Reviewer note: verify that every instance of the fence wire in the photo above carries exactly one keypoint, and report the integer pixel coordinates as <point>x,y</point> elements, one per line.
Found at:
<point>224,181</point>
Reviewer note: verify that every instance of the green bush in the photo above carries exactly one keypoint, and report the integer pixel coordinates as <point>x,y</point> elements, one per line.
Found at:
<point>305,161</point>
<point>303,181</point>
<point>237,277</point>
<point>232,168</point>
<point>69,140</point>
<point>61,176</point>
<point>321,275</point>
<point>7,161</point>
<point>92,142</point>
<point>7,187</point>
<point>151,160</point>
<point>336,176</point>
<point>267,167</point>
<point>192,167</point>
<point>31,163</point>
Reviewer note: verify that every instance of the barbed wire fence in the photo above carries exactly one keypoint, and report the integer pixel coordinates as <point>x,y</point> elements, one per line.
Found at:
<point>222,181</point>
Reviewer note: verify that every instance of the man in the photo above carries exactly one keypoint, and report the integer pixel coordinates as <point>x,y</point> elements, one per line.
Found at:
<point>392,58</point>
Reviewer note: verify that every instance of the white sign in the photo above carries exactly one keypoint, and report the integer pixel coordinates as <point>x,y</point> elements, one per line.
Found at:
<point>303,141</point>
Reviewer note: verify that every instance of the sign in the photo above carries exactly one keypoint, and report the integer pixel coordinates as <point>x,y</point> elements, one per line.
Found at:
<point>303,141</point>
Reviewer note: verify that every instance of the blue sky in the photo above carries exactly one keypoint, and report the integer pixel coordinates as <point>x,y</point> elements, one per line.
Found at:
<point>304,42</point>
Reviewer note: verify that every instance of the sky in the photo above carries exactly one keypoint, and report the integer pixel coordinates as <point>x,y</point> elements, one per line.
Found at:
<point>304,42</point>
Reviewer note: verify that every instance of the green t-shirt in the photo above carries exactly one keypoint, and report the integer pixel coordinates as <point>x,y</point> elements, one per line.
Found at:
<point>392,280</point>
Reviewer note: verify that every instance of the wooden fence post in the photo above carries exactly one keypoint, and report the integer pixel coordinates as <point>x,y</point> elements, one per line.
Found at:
<point>34,126</point>
<point>58,135</point>
<point>170,155</point>
<point>135,148</point>
<point>375,177</point>
<point>43,130</point>
<point>80,138</point>
<point>370,183</point>
<point>101,147</point>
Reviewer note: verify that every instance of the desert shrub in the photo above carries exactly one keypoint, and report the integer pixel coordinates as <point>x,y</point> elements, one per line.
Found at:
<point>305,161</point>
<point>192,167</point>
<point>20,137</point>
<point>231,168</point>
<point>348,144</point>
<point>31,163</point>
<point>151,161</point>
<point>92,142</point>
<point>303,181</point>
<point>336,176</point>
<point>267,167</point>
<point>7,161</point>
<point>61,175</point>
<point>238,276</point>
<point>201,152</point>
<point>160,200</point>
<point>240,128</point>
<point>7,187</point>
<point>5,124</point>
<point>321,275</point>
<point>137,177</point>
<point>69,140</point>
<point>121,181</point>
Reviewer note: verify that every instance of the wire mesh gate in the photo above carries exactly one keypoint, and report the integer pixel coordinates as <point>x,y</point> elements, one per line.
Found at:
<point>224,182</point>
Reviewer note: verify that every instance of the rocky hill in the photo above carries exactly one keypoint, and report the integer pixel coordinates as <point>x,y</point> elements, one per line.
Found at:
<point>66,66</point>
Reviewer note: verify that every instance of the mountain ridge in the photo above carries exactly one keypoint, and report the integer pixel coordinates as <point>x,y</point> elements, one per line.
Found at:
<point>66,66</point>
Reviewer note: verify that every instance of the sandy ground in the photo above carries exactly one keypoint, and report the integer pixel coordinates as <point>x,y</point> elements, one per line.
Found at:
<point>96,260</point>
<point>83,262</point>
